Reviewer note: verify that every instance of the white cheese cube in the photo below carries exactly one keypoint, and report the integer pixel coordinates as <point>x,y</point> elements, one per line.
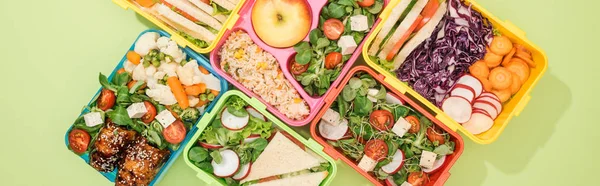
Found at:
<point>401,127</point>
<point>331,117</point>
<point>406,184</point>
<point>347,44</point>
<point>371,95</point>
<point>427,159</point>
<point>359,23</point>
<point>93,119</point>
<point>136,110</point>
<point>165,118</point>
<point>367,164</point>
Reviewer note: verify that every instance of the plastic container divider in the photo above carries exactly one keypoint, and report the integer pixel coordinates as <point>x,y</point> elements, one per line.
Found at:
<point>210,179</point>
<point>202,61</point>
<point>512,108</point>
<point>283,56</point>
<point>438,178</point>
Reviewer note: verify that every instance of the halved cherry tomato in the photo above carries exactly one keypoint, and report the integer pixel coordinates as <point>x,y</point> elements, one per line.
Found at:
<point>332,60</point>
<point>79,140</point>
<point>175,133</point>
<point>418,178</point>
<point>150,114</point>
<point>434,134</point>
<point>106,100</point>
<point>415,125</point>
<point>381,120</point>
<point>376,149</point>
<point>333,28</point>
<point>298,69</point>
<point>365,3</point>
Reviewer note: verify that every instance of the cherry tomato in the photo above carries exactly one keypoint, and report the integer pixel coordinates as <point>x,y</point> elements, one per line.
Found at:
<point>434,134</point>
<point>365,3</point>
<point>381,120</point>
<point>175,133</point>
<point>106,100</point>
<point>376,149</point>
<point>415,125</point>
<point>418,178</point>
<point>79,140</point>
<point>150,114</point>
<point>298,69</point>
<point>332,60</point>
<point>333,28</point>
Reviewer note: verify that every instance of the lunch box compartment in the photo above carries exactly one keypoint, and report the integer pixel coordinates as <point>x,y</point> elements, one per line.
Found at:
<point>513,107</point>
<point>437,178</point>
<point>181,41</point>
<point>202,61</point>
<point>209,178</point>
<point>283,56</point>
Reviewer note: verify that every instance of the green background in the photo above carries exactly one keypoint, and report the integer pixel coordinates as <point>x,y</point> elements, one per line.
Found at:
<point>52,51</point>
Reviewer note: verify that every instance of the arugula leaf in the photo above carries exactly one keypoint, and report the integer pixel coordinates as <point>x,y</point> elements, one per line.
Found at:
<point>104,82</point>
<point>335,10</point>
<point>216,155</point>
<point>342,106</point>
<point>362,105</point>
<point>119,116</point>
<point>198,154</point>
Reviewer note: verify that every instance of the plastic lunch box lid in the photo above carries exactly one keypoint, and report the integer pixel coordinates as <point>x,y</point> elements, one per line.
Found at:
<point>174,154</point>
<point>127,4</point>
<point>243,22</point>
<point>209,178</point>
<point>438,178</point>
<point>513,108</point>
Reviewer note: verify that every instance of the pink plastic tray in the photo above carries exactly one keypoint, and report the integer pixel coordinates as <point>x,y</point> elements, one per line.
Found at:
<point>283,55</point>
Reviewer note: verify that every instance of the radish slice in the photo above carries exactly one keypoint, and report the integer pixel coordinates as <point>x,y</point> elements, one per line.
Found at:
<point>479,123</point>
<point>243,172</point>
<point>463,91</point>
<point>458,108</point>
<point>481,111</point>
<point>251,138</point>
<point>497,104</point>
<point>332,132</point>
<point>393,99</point>
<point>487,106</point>
<point>471,82</point>
<point>210,146</point>
<point>233,122</point>
<point>230,163</point>
<point>437,164</point>
<point>394,166</point>
<point>389,181</point>
<point>255,113</point>
<point>491,95</point>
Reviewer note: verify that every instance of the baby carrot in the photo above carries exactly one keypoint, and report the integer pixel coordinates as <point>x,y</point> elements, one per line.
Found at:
<point>178,91</point>
<point>204,71</point>
<point>500,78</point>
<point>501,45</point>
<point>214,92</point>
<point>145,3</point>
<point>195,90</point>
<point>133,57</point>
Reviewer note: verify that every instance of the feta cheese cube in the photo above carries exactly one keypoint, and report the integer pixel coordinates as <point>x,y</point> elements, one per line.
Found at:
<point>371,95</point>
<point>367,164</point>
<point>331,117</point>
<point>359,23</point>
<point>165,118</point>
<point>401,127</point>
<point>406,184</point>
<point>136,110</point>
<point>93,119</point>
<point>347,44</point>
<point>427,159</point>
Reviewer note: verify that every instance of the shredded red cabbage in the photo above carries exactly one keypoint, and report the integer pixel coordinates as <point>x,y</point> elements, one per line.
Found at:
<point>456,43</point>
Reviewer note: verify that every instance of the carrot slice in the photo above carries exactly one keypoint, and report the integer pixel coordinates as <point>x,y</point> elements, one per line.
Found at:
<point>526,59</point>
<point>204,71</point>
<point>120,71</point>
<point>523,50</point>
<point>509,56</point>
<point>487,86</point>
<point>145,3</point>
<point>516,85</point>
<point>178,91</point>
<point>503,95</point>
<point>501,45</point>
<point>500,78</point>
<point>492,60</point>
<point>520,69</point>
<point>195,90</point>
<point>133,57</point>
<point>402,40</point>
<point>427,12</point>
<point>480,70</point>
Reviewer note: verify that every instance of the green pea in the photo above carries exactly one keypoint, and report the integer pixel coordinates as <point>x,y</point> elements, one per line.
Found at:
<point>203,97</point>
<point>211,97</point>
<point>156,63</point>
<point>146,63</point>
<point>161,56</point>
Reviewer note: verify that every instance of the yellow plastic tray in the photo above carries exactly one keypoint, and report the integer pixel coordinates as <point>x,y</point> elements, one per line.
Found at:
<point>511,108</point>
<point>128,4</point>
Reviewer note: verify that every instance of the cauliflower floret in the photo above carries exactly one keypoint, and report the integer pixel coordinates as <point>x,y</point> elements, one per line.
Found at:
<point>150,71</point>
<point>201,109</point>
<point>162,94</point>
<point>169,68</point>
<point>174,51</point>
<point>162,42</point>
<point>139,73</point>
<point>186,73</point>
<point>211,82</point>
<point>129,66</point>
<point>145,43</point>
<point>151,82</point>
<point>193,101</point>
<point>159,75</point>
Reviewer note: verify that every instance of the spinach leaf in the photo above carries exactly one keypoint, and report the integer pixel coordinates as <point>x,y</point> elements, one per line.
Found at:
<point>342,106</point>
<point>348,93</point>
<point>198,154</point>
<point>314,35</point>
<point>121,79</point>
<point>120,116</point>
<point>216,155</point>
<point>302,46</point>
<point>375,8</point>
<point>123,96</point>
<point>231,182</point>
<point>136,87</point>
<point>355,83</point>
<point>303,57</point>
<point>154,137</point>
<point>307,80</point>
<point>362,105</point>
<point>349,9</point>
<point>443,150</point>
<point>381,94</point>
<point>309,90</point>
<point>400,111</point>
<point>358,36</point>
<point>348,3</point>
<point>105,84</point>
<point>335,10</point>
<point>237,112</point>
<point>205,166</point>
<point>322,43</point>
